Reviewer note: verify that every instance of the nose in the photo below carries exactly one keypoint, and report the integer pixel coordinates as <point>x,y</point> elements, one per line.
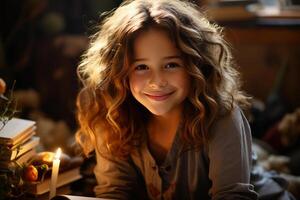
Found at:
<point>157,80</point>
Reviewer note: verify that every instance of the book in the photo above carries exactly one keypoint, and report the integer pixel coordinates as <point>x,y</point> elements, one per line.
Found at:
<point>26,156</point>
<point>20,160</point>
<point>15,131</point>
<point>63,178</point>
<point>7,153</point>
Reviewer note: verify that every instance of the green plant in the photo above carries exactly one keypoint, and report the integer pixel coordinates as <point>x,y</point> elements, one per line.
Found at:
<point>8,107</point>
<point>11,183</point>
<point>11,176</point>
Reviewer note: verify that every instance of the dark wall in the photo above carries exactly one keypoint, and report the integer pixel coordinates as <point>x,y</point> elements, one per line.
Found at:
<point>40,46</point>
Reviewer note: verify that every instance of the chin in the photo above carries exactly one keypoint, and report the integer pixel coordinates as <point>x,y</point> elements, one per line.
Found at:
<point>158,112</point>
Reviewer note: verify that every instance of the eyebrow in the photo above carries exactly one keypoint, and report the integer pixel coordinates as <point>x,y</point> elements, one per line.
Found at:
<point>165,58</point>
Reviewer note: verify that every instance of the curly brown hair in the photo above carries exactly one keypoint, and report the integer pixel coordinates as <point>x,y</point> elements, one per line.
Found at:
<point>106,108</point>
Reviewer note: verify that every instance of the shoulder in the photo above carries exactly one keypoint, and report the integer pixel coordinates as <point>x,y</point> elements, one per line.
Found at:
<point>235,115</point>
<point>230,135</point>
<point>233,123</point>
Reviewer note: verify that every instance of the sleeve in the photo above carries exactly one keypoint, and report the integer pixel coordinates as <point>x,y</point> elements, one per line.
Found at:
<point>229,153</point>
<point>116,178</point>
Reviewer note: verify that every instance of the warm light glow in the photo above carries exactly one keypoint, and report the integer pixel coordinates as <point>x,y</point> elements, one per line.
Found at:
<point>48,157</point>
<point>57,154</point>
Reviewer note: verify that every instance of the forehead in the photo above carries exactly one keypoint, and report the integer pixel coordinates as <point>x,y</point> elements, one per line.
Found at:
<point>154,42</point>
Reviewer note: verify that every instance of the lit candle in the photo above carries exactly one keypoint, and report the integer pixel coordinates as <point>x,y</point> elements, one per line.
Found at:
<point>55,169</point>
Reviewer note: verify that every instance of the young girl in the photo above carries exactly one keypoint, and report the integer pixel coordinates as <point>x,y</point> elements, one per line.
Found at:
<point>160,105</point>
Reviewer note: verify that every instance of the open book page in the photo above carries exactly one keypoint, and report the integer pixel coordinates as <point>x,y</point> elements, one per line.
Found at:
<point>72,197</point>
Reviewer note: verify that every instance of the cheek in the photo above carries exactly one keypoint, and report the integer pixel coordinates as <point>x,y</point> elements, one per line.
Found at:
<point>184,82</point>
<point>136,83</point>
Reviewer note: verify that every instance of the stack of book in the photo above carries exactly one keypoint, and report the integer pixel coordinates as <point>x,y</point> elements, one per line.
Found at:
<point>17,142</point>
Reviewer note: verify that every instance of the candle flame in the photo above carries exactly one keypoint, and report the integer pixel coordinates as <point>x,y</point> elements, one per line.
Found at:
<point>57,154</point>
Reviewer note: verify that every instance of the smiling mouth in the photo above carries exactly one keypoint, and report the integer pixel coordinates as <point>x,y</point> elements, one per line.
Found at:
<point>159,97</point>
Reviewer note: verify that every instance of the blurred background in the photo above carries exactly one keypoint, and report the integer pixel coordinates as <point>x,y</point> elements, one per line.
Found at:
<point>41,42</point>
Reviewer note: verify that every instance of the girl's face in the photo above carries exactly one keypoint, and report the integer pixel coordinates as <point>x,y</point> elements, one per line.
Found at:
<point>158,78</point>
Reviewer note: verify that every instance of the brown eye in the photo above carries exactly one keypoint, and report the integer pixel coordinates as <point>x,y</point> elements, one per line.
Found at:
<point>171,65</point>
<point>141,67</point>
